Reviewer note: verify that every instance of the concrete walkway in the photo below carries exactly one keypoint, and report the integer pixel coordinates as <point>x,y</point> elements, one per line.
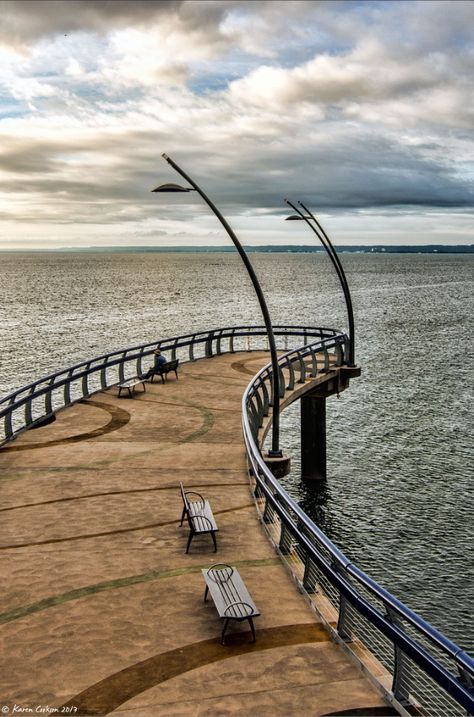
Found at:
<point>102,611</point>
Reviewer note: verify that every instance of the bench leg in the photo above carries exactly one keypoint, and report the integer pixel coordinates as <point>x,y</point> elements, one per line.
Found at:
<point>252,627</point>
<point>214,541</point>
<point>226,624</point>
<point>191,536</point>
<point>224,629</point>
<point>206,592</point>
<point>183,514</point>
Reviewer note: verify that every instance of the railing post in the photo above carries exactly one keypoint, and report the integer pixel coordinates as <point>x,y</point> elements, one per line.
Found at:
<point>218,344</point>
<point>401,669</point>
<point>309,577</point>
<point>281,382</point>
<point>266,398</point>
<point>258,492</point>
<point>103,375</point>
<point>344,621</point>
<point>122,368</point>
<point>85,384</point>
<point>255,420</point>
<point>302,367</point>
<point>67,389</point>
<point>260,408</point>
<point>208,346</point>
<point>314,364</point>
<point>291,378</point>
<point>268,512</point>
<point>326,359</point>
<point>286,539</point>
<point>139,363</point>
<point>48,399</point>
<point>29,407</point>
<point>9,423</point>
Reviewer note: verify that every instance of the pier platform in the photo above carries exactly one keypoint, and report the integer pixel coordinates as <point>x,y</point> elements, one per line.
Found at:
<point>101,609</point>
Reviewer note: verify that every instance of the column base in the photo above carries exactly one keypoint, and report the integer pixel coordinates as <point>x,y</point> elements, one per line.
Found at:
<point>280,466</point>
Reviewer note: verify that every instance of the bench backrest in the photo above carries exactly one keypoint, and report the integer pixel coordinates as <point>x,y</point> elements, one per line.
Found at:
<point>183,496</point>
<point>171,365</point>
<point>168,366</point>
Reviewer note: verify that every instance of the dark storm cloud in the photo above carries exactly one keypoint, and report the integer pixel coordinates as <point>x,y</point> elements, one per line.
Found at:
<point>358,171</point>
<point>24,21</point>
<point>351,172</point>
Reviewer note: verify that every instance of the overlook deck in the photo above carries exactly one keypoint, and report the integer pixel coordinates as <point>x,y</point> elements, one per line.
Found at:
<point>102,610</point>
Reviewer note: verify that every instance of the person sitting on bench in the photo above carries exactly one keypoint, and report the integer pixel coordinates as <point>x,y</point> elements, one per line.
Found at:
<point>160,359</point>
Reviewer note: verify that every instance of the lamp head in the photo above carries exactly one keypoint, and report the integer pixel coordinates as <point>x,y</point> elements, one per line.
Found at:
<point>295,218</point>
<point>170,187</point>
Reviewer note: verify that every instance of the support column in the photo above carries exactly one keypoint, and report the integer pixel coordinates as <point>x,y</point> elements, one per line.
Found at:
<point>313,437</point>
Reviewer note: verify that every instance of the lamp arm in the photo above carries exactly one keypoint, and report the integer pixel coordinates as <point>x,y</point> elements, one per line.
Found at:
<point>261,300</point>
<point>345,287</point>
<point>330,250</point>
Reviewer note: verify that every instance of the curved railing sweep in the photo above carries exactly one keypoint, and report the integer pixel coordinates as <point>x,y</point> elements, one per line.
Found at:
<point>38,402</point>
<point>425,671</point>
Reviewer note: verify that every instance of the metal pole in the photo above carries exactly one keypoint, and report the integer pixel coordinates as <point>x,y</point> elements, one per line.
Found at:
<point>275,450</point>
<point>336,262</point>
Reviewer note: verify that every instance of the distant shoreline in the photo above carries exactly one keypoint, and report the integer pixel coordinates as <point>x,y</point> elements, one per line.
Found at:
<point>266,249</point>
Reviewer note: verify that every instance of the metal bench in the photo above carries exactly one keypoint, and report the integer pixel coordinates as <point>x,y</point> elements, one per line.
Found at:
<point>164,370</point>
<point>199,515</point>
<point>230,595</point>
<point>130,386</point>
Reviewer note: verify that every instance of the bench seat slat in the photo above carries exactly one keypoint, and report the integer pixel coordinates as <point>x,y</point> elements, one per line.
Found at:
<point>198,511</point>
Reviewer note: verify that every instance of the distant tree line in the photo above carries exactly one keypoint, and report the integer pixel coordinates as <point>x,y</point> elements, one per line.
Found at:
<point>292,249</point>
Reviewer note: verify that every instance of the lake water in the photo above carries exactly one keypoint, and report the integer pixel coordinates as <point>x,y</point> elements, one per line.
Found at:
<point>398,499</point>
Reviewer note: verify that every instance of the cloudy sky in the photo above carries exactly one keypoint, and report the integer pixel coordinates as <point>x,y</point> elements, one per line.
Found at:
<point>363,110</point>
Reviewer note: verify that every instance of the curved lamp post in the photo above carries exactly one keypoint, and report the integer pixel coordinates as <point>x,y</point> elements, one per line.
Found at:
<point>326,242</point>
<point>275,450</point>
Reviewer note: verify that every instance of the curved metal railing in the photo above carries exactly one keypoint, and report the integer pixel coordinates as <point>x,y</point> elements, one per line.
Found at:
<point>38,401</point>
<point>425,670</point>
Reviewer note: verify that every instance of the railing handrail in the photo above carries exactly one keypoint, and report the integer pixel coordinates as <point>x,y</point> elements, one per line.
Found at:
<point>148,348</point>
<point>76,378</point>
<point>283,504</point>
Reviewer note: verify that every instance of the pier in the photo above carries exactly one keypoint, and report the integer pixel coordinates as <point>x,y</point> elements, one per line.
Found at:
<point>102,611</point>
<point>118,622</point>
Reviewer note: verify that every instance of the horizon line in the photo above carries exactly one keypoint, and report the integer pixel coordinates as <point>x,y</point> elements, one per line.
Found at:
<point>268,248</point>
